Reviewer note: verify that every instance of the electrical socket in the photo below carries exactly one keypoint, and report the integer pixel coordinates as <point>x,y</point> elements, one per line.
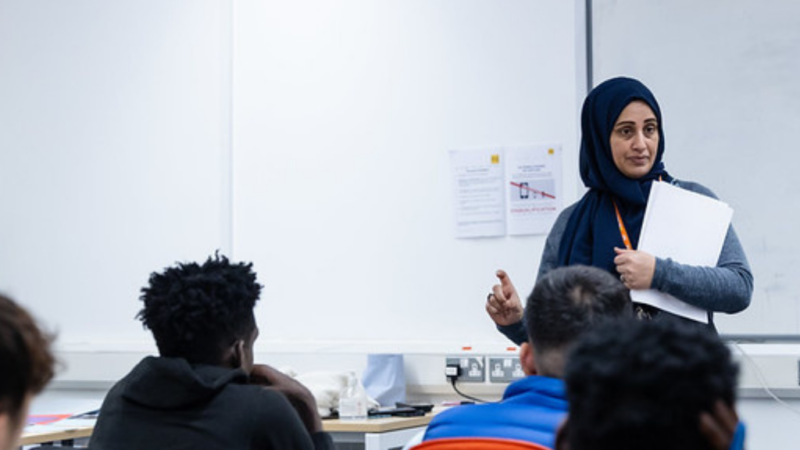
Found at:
<point>473,368</point>
<point>505,369</point>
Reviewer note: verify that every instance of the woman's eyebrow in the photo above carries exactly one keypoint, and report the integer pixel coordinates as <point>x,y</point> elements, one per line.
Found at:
<point>632,122</point>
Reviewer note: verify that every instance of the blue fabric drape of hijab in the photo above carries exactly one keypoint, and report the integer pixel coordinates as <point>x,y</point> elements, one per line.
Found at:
<point>592,231</point>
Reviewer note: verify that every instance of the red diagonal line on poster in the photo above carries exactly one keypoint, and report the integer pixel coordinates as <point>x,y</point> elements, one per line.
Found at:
<point>533,190</point>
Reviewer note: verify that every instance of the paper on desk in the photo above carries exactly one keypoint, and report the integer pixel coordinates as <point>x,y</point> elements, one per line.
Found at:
<point>687,227</point>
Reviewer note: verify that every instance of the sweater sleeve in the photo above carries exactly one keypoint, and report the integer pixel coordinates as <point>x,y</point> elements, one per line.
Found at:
<point>549,260</point>
<point>727,287</point>
<point>518,332</point>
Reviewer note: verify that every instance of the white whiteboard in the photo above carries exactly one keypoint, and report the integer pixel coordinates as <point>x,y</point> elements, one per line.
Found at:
<point>344,114</point>
<point>310,137</point>
<point>726,75</point>
<point>111,142</point>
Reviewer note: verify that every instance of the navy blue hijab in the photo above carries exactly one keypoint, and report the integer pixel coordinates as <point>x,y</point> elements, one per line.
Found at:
<point>592,231</point>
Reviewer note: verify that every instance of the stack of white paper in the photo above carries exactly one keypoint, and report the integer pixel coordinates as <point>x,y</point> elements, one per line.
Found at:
<point>688,227</point>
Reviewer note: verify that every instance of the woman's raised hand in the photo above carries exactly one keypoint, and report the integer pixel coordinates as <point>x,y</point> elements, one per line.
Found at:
<point>503,303</point>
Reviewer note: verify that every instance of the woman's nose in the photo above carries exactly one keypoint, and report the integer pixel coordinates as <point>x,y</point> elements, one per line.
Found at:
<point>639,142</point>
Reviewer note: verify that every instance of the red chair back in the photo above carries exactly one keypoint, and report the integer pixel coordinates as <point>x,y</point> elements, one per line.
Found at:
<point>473,443</point>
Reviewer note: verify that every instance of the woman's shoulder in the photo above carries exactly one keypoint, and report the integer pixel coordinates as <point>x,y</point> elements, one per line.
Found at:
<point>563,217</point>
<point>568,210</point>
<point>560,225</point>
<point>694,187</point>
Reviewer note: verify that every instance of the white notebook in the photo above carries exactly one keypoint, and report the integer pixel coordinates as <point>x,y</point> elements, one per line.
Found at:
<point>687,227</point>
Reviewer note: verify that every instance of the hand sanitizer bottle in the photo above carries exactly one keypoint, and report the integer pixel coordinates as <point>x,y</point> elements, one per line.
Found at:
<point>353,400</point>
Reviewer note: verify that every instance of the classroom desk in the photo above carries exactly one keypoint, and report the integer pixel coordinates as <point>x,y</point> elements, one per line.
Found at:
<point>385,433</point>
<point>51,434</point>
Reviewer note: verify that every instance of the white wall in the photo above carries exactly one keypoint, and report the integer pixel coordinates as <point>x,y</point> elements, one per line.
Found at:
<point>343,116</point>
<point>309,137</point>
<point>112,135</point>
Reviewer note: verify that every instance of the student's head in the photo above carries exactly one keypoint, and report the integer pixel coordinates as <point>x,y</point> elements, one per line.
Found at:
<point>203,312</point>
<point>26,366</point>
<point>564,303</point>
<point>644,386</point>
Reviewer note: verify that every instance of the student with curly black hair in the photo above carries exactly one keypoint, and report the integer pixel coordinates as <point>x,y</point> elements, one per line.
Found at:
<point>204,391</point>
<point>656,385</point>
<point>26,366</point>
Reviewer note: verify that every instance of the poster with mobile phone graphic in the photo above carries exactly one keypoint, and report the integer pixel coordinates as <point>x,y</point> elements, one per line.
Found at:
<point>506,190</point>
<point>533,188</point>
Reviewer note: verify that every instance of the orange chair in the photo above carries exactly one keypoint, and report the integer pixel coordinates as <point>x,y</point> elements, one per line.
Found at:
<point>475,443</point>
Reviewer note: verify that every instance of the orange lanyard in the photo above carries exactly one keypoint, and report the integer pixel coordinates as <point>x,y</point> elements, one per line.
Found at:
<point>622,230</point>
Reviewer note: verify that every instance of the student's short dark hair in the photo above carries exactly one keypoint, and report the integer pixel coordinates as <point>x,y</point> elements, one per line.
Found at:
<point>26,362</point>
<point>568,300</point>
<point>197,311</point>
<point>644,385</point>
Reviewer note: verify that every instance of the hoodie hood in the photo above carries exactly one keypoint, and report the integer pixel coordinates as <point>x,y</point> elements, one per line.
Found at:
<point>171,383</point>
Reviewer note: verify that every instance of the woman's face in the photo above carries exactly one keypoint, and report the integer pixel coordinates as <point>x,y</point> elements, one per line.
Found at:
<point>634,140</point>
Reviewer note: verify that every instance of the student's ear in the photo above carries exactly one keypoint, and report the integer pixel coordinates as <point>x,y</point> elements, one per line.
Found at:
<point>526,358</point>
<point>561,435</point>
<point>237,355</point>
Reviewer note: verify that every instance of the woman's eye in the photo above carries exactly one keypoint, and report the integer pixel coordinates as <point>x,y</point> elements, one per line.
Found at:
<point>650,130</point>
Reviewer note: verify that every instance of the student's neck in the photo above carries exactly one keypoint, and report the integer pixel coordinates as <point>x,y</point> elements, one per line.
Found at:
<point>9,431</point>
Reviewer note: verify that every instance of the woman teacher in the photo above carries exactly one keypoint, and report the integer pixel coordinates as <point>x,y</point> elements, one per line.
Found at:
<point>621,152</point>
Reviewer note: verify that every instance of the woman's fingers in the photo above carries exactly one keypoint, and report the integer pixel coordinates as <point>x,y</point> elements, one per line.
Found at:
<point>491,308</point>
<point>502,310</point>
<point>497,295</point>
<point>636,268</point>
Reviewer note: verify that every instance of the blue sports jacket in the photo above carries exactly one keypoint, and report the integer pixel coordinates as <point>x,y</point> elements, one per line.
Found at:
<point>531,410</point>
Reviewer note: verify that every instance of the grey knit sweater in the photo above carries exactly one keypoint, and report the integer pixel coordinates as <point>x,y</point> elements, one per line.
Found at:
<point>727,287</point>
